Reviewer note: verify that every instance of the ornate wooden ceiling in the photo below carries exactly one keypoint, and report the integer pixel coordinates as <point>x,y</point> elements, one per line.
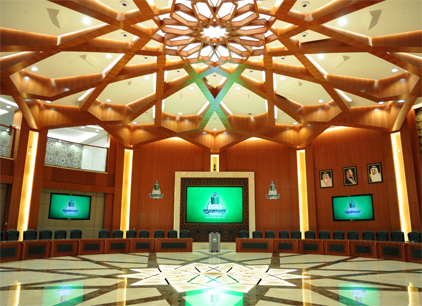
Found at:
<point>181,30</point>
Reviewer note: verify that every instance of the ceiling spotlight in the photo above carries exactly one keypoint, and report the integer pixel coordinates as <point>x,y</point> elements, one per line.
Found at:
<point>282,78</point>
<point>146,57</point>
<point>97,130</point>
<point>304,34</point>
<point>304,4</point>
<point>34,68</point>
<point>401,101</point>
<point>124,3</point>
<point>26,78</point>
<point>215,75</point>
<point>394,70</point>
<point>381,102</point>
<point>108,100</point>
<point>320,101</point>
<point>8,106</point>
<point>214,129</point>
<point>124,34</point>
<point>295,123</point>
<point>321,56</point>
<point>86,20</point>
<point>237,88</point>
<point>146,77</point>
<point>133,122</point>
<point>283,57</point>
<point>47,101</point>
<point>82,127</point>
<point>66,89</point>
<point>251,71</point>
<point>342,21</point>
<point>179,114</point>
<point>108,55</point>
<point>191,88</point>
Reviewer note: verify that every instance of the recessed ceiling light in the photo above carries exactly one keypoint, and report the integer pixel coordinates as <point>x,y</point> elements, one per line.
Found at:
<point>295,123</point>
<point>8,106</point>
<point>321,56</point>
<point>394,70</point>
<point>191,88</point>
<point>97,130</point>
<point>283,57</point>
<point>47,101</point>
<point>82,127</point>
<point>108,100</point>
<point>320,101</point>
<point>145,57</point>
<point>133,122</point>
<point>34,68</point>
<point>146,77</point>
<point>108,55</point>
<point>377,109</point>
<point>251,71</point>
<point>26,77</point>
<point>342,21</point>
<point>381,102</point>
<point>304,34</point>
<point>214,129</point>
<point>282,78</point>
<point>124,3</point>
<point>401,101</point>
<point>178,70</point>
<point>237,88</point>
<point>66,89</point>
<point>124,34</point>
<point>86,20</point>
<point>179,114</point>
<point>304,4</point>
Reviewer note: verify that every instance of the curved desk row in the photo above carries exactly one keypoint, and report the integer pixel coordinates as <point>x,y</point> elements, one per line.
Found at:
<point>358,248</point>
<point>20,250</point>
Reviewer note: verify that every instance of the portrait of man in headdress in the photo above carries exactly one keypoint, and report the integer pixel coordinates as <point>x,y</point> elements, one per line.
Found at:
<point>326,178</point>
<point>374,173</point>
<point>350,176</point>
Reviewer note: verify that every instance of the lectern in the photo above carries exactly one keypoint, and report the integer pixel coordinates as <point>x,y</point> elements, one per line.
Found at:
<point>214,241</point>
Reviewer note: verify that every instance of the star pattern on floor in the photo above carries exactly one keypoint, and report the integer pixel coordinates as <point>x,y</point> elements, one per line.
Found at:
<point>198,276</point>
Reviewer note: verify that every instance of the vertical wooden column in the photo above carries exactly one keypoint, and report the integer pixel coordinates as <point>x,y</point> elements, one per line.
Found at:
<point>303,192</point>
<point>118,184</point>
<point>401,183</point>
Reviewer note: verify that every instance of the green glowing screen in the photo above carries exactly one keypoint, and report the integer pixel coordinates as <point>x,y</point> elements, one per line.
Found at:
<point>356,207</point>
<point>65,206</point>
<point>214,204</point>
<point>214,297</point>
<point>64,294</point>
<point>358,294</point>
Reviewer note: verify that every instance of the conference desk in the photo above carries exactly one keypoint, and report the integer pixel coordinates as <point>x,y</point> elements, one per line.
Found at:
<point>403,251</point>
<point>20,250</point>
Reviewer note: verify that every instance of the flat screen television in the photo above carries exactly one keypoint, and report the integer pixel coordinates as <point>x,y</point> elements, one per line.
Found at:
<point>214,204</point>
<point>353,208</point>
<point>69,207</point>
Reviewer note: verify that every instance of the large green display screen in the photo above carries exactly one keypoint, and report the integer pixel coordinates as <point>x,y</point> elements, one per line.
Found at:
<point>214,204</point>
<point>356,207</point>
<point>66,206</point>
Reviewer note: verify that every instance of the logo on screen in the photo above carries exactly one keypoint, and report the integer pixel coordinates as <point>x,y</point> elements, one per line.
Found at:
<point>353,210</point>
<point>214,207</point>
<point>70,209</point>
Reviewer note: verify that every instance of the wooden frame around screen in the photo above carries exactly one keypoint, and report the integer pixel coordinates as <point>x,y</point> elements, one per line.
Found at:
<point>217,175</point>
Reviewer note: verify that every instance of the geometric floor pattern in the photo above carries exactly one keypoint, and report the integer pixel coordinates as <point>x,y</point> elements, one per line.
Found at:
<point>226,278</point>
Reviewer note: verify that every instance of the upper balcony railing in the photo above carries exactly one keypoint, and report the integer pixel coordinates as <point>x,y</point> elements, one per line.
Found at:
<point>75,155</point>
<point>7,134</point>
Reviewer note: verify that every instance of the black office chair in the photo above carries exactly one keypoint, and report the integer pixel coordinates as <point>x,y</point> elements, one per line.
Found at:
<point>283,235</point>
<point>270,234</point>
<point>414,236</point>
<point>60,234</point>
<point>2,236</point>
<point>382,236</point>
<point>75,234</point>
<point>143,234</point>
<point>103,234</point>
<point>310,235</point>
<point>172,234</point>
<point>243,234</point>
<point>12,235</point>
<point>338,235</point>
<point>397,236</point>
<point>30,235</point>
<point>353,235</point>
<point>45,234</point>
<point>257,234</point>
<point>324,235</point>
<point>184,234</point>
<point>296,235</point>
<point>368,236</point>
<point>159,234</point>
<point>118,234</point>
<point>131,234</point>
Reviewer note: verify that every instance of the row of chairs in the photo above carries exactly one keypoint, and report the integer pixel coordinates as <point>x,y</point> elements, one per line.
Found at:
<point>397,236</point>
<point>13,235</point>
<point>143,234</point>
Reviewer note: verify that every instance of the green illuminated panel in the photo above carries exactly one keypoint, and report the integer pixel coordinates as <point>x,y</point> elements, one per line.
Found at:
<point>358,207</point>
<point>64,206</point>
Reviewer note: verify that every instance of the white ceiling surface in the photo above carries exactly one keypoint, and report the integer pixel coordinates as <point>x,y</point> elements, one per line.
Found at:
<point>283,118</point>
<point>7,118</point>
<point>78,135</point>
<point>288,60</point>
<point>242,102</point>
<point>214,123</point>
<point>33,16</point>
<point>145,118</point>
<point>127,91</point>
<point>187,101</point>
<point>215,79</point>
<point>68,64</point>
<point>71,100</point>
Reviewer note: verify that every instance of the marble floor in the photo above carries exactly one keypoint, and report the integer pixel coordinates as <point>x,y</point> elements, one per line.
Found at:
<point>202,278</point>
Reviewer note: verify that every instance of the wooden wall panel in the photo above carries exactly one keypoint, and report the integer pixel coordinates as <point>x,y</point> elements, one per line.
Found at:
<point>270,162</point>
<point>159,161</point>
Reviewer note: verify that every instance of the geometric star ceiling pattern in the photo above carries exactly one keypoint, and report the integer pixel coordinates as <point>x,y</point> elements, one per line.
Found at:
<point>228,276</point>
<point>214,72</point>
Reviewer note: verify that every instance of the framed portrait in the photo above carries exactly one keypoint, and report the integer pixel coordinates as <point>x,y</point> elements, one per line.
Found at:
<point>350,176</point>
<point>374,172</point>
<point>326,178</point>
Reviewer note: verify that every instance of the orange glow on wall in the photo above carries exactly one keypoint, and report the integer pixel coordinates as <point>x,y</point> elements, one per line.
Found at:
<point>303,192</point>
<point>27,183</point>
<point>126,188</point>
<point>215,160</point>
